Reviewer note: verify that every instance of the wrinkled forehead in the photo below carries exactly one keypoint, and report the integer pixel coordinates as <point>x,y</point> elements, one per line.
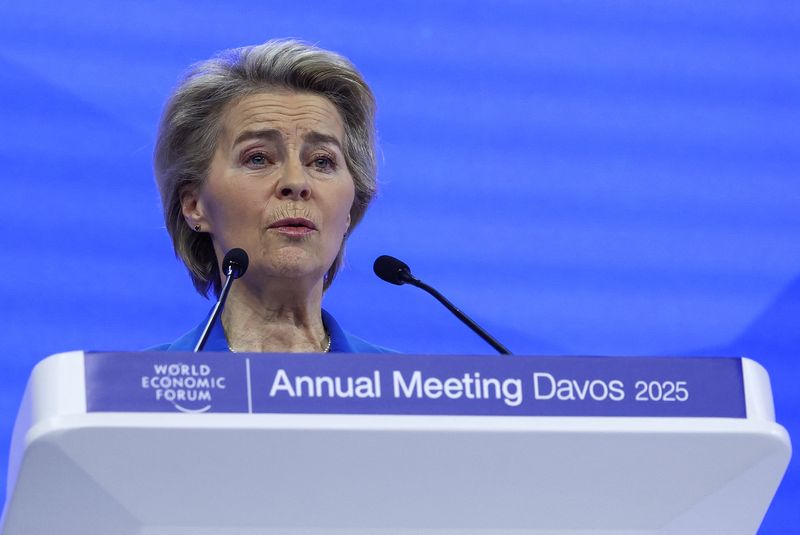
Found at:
<point>292,114</point>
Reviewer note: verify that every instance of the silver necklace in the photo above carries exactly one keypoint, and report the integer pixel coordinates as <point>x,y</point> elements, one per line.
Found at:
<point>327,348</point>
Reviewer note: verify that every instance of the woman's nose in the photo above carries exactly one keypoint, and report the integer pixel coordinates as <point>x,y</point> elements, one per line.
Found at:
<point>294,184</point>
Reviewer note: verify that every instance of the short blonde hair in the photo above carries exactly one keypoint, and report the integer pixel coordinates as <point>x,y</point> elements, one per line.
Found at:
<point>191,123</point>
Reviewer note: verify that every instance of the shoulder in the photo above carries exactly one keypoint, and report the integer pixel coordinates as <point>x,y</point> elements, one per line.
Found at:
<point>344,342</point>
<point>185,343</point>
<point>159,347</point>
<point>360,345</point>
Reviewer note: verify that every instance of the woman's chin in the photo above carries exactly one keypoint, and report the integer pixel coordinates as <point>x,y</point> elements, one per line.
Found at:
<point>289,264</point>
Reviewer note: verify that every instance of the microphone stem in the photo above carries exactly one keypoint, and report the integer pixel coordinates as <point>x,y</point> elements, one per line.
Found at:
<point>500,348</point>
<point>223,295</point>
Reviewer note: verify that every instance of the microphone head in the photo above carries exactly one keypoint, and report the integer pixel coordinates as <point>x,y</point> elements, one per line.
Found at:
<point>392,270</point>
<point>235,262</point>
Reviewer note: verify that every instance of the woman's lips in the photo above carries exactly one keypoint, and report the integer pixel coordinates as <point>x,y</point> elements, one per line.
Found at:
<point>295,227</point>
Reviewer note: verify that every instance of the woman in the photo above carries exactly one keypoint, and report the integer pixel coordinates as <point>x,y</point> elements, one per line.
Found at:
<point>270,149</point>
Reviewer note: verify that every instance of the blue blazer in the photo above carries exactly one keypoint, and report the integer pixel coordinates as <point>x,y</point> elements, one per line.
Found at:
<point>341,340</point>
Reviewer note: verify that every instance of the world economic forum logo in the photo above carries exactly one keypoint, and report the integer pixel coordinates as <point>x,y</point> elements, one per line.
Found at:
<point>188,387</point>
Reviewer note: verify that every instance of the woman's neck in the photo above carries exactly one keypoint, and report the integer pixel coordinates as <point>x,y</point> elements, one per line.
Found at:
<point>277,321</point>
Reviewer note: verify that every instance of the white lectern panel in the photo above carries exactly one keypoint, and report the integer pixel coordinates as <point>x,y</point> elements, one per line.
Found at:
<point>78,472</point>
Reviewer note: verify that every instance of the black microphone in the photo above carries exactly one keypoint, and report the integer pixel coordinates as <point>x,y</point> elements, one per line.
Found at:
<point>392,270</point>
<point>397,272</point>
<point>234,266</point>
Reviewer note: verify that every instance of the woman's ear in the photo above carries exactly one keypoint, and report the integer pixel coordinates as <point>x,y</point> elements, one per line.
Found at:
<point>192,209</point>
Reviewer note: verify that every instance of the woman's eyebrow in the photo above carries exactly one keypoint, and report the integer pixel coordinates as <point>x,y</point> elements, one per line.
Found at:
<point>317,138</point>
<point>269,134</point>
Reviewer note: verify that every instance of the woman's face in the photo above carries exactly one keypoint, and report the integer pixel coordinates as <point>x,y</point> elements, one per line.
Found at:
<point>278,186</point>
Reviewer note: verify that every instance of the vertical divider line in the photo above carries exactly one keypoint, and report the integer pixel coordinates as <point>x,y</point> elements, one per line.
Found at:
<point>249,386</point>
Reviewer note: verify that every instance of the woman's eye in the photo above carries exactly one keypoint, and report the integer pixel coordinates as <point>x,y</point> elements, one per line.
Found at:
<point>257,159</point>
<point>324,163</point>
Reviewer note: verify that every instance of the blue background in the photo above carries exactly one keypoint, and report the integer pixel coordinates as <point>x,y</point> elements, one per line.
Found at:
<point>601,177</point>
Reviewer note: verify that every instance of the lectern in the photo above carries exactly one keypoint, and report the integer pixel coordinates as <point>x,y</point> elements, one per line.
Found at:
<point>176,443</point>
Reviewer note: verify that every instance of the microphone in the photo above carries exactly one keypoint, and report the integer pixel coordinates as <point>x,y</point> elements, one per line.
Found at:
<point>392,270</point>
<point>235,263</point>
<point>234,266</point>
<point>397,272</point>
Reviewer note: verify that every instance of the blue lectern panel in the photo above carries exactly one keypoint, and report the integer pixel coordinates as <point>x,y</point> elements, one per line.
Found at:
<point>405,384</point>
